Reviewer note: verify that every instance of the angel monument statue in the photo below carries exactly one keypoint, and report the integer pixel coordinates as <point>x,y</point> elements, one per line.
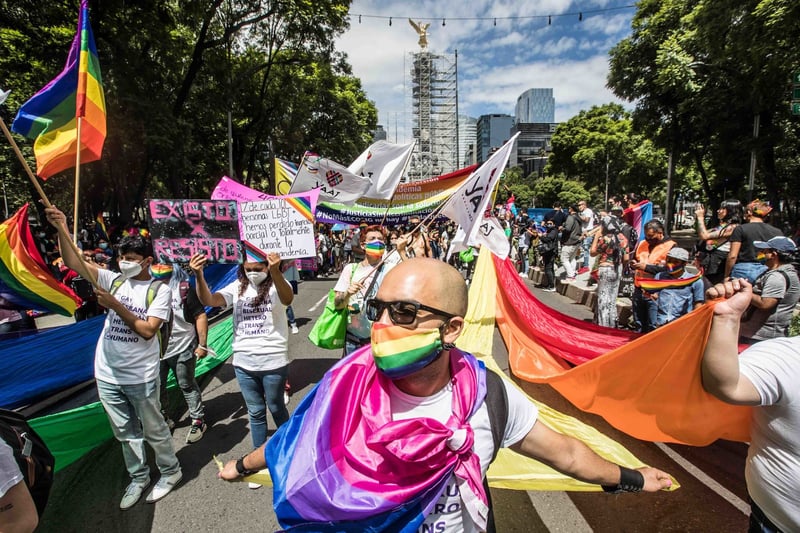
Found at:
<point>422,30</point>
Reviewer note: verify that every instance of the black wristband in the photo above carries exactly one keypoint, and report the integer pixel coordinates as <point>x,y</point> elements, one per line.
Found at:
<point>240,469</point>
<point>629,481</point>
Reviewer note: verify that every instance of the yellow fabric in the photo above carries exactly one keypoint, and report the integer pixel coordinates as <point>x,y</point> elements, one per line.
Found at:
<point>511,470</point>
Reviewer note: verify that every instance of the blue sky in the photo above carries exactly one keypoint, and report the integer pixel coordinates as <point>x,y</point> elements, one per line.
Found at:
<point>495,63</point>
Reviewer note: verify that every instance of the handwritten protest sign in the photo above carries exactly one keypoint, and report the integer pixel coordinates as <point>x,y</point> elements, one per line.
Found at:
<point>281,225</point>
<point>182,228</point>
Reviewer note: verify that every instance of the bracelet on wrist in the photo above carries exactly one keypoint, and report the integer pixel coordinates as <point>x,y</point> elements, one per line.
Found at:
<point>629,481</point>
<point>240,468</point>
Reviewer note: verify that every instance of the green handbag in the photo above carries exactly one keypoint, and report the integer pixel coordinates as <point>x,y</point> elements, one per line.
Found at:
<point>329,330</point>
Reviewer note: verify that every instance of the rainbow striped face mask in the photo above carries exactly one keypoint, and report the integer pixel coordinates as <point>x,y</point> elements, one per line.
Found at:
<point>374,248</point>
<point>399,352</point>
<point>160,271</point>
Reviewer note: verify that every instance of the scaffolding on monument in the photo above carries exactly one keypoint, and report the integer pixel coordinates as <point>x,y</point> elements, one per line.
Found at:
<point>434,115</point>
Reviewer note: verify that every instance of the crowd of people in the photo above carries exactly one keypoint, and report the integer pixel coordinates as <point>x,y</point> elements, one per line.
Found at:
<point>403,295</point>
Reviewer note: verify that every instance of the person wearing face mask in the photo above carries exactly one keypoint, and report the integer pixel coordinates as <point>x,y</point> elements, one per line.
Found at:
<point>649,259</point>
<point>775,292</point>
<point>361,280</point>
<point>127,359</point>
<point>259,297</point>
<point>418,428</point>
<point>675,301</point>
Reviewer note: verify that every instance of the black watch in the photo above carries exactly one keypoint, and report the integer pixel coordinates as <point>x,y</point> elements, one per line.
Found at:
<point>240,469</point>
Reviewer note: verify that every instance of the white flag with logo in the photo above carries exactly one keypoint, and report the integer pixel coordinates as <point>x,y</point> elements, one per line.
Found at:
<point>334,182</point>
<point>384,163</point>
<point>469,204</point>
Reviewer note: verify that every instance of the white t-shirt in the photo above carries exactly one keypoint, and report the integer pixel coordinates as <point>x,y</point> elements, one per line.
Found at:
<point>183,334</point>
<point>448,515</point>
<point>260,333</point>
<point>772,470</point>
<point>9,469</point>
<point>123,357</point>
<point>589,224</point>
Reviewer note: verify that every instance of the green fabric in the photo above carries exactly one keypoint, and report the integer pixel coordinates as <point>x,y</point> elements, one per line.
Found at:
<point>331,326</point>
<point>71,434</point>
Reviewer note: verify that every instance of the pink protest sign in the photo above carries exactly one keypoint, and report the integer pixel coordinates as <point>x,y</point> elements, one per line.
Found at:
<point>182,228</point>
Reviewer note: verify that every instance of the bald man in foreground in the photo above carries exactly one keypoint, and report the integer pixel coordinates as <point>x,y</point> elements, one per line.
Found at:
<point>414,425</point>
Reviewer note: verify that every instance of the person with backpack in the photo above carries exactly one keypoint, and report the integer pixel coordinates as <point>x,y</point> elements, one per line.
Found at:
<point>571,233</point>
<point>611,249</point>
<point>126,364</point>
<point>775,292</point>
<point>259,296</point>
<point>548,246</point>
<point>17,509</point>
<point>420,433</point>
<point>187,343</point>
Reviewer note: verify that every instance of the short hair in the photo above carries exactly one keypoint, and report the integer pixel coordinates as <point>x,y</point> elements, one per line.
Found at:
<point>557,204</point>
<point>654,225</point>
<point>135,244</point>
<point>370,229</point>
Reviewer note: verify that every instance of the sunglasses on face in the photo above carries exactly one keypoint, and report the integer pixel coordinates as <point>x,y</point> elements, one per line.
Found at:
<point>401,313</point>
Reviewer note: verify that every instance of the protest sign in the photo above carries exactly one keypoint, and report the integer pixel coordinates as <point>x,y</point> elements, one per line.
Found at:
<point>182,228</point>
<point>279,225</point>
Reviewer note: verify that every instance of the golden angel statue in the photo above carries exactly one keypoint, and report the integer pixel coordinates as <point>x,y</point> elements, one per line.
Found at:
<point>422,30</point>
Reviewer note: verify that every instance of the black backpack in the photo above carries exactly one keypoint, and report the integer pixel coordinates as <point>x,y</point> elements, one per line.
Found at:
<point>35,461</point>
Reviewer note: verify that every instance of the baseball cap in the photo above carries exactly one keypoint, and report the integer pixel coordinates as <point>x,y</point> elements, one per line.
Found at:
<point>779,244</point>
<point>678,253</point>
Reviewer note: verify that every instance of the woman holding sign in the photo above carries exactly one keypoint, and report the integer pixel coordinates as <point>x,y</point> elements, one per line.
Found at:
<point>260,336</point>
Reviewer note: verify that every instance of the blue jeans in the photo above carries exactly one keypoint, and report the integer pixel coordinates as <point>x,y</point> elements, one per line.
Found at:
<point>748,270</point>
<point>263,390</point>
<point>523,260</point>
<point>586,245</point>
<point>290,314</point>
<point>134,412</point>
<point>645,311</point>
<point>183,366</point>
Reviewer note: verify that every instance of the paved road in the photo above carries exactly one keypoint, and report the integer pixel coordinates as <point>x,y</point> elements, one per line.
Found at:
<point>86,495</point>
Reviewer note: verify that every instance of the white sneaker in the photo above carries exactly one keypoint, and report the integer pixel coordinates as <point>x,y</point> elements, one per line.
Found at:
<point>132,494</point>
<point>286,398</point>
<point>295,331</point>
<point>164,486</point>
<point>253,486</point>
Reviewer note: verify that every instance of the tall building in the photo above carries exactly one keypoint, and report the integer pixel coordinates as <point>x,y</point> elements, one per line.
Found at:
<point>467,126</point>
<point>533,146</point>
<point>491,132</point>
<point>536,106</point>
<point>379,134</point>
<point>434,108</point>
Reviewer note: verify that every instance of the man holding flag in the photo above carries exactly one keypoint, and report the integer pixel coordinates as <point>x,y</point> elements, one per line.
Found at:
<point>418,437</point>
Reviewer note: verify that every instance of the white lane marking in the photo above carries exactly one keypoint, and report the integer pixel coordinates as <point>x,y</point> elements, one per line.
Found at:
<point>558,512</point>
<point>316,305</point>
<point>705,479</point>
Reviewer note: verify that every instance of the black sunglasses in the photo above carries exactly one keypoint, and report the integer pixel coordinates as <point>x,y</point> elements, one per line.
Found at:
<point>401,313</point>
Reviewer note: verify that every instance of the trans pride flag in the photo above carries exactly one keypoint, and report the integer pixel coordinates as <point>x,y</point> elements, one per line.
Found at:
<point>342,464</point>
<point>50,116</point>
<point>25,281</point>
<point>639,215</point>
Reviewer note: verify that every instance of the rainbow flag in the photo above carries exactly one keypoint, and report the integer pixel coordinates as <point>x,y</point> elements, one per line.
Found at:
<point>252,254</point>
<point>655,285</point>
<point>301,204</point>
<point>26,281</point>
<point>100,227</point>
<point>342,464</point>
<point>50,116</point>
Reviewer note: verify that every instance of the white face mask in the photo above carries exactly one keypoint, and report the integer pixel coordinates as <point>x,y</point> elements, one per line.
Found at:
<point>130,269</point>
<point>256,278</point>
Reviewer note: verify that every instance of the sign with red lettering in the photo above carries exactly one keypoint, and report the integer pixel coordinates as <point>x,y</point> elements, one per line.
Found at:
<point>181,228</point>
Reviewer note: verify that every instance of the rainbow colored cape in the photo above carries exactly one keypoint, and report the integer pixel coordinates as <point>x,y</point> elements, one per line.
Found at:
<point>655,285</point>
<point>50,116</point>
<point>342,464</point>
<point>25,280</point>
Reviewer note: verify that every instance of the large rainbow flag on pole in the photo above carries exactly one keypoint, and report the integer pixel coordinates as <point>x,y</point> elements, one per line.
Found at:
<point>50,116</point>
<point>25,280</point>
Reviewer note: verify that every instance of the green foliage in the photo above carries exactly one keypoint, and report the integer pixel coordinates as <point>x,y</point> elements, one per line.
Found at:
<point>551,188</point>
<point>172,72</point>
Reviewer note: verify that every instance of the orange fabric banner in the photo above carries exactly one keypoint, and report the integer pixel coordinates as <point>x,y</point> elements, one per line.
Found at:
<point>649,387</point>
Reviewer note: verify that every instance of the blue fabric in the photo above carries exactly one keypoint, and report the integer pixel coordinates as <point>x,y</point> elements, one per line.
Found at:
<point>676,302</point>
<point>37,366</point>
<point>262,390</point>
<point>750,271</point>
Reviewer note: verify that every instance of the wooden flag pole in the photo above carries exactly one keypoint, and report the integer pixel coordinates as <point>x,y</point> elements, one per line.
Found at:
<point>75,210</point>
<point>62,229</point>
